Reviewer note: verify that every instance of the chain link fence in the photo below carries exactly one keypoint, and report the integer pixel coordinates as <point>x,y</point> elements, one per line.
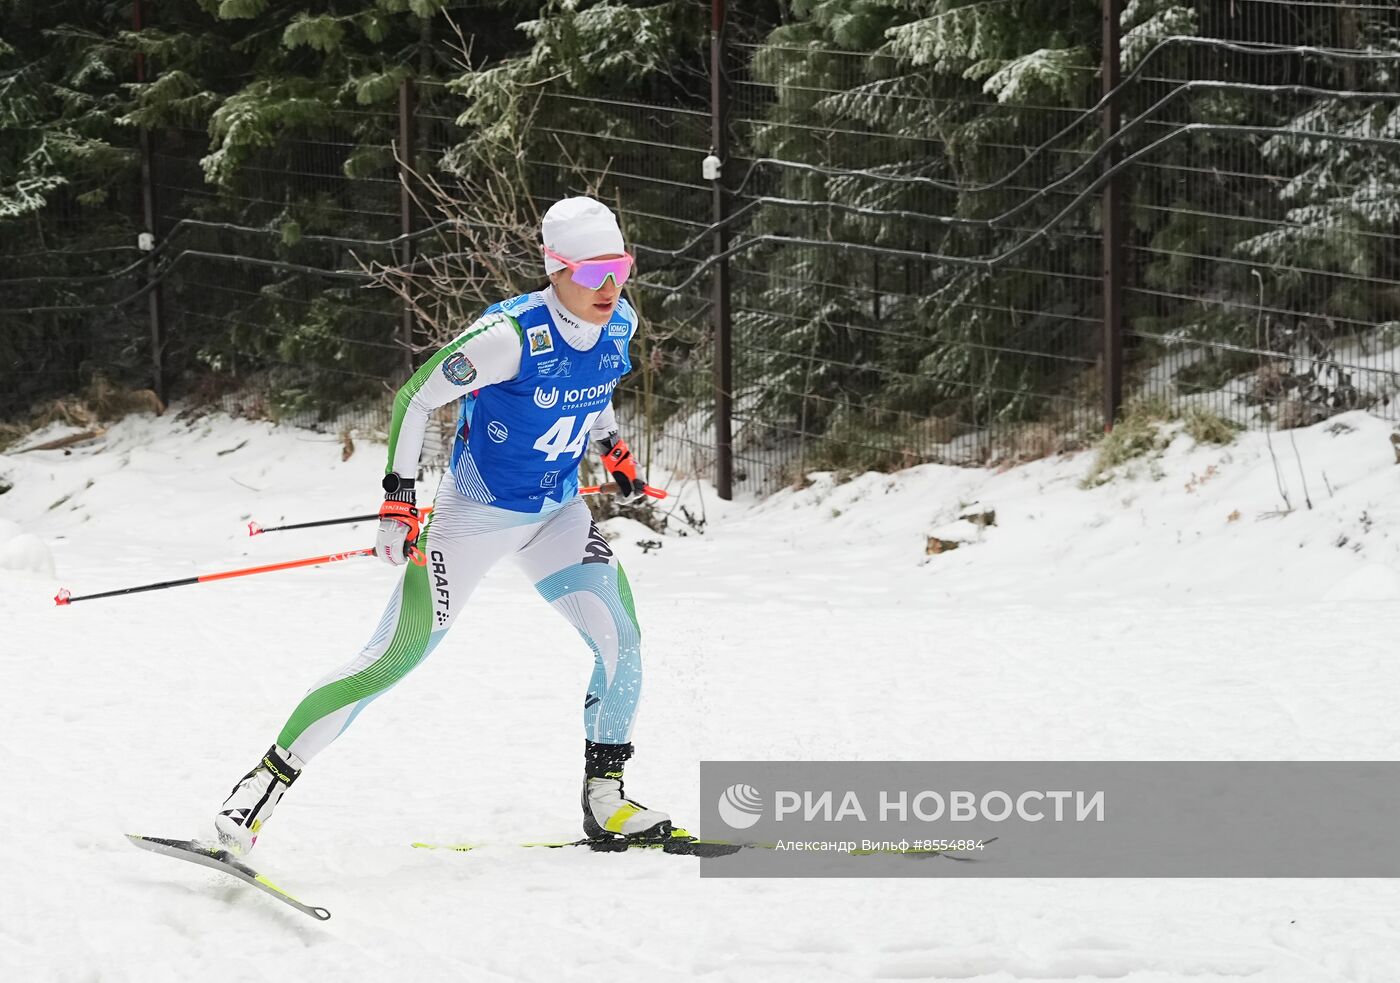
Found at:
<point>1263,247</point>
<point>919,267</point>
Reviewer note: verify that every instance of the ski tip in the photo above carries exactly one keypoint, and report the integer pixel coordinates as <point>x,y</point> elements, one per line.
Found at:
<point>161,844</point>
<point>459,847</point>
<point>145,838</point>
<point>221,860</point>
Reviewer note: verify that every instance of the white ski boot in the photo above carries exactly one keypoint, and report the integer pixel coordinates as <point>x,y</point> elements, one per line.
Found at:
<point>250,804</point>
<point>607,812</point>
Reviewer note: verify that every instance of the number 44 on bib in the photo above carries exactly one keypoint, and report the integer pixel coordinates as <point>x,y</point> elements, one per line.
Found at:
<point>561,439</point>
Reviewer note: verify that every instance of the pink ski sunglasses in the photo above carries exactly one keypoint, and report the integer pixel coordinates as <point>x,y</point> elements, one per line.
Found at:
<point>593,273</point>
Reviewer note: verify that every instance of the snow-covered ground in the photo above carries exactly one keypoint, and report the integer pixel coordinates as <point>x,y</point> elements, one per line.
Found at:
<point>1174,613</point>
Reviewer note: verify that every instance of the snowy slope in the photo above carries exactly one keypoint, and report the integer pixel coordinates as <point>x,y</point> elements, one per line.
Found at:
<point>1170,613</point>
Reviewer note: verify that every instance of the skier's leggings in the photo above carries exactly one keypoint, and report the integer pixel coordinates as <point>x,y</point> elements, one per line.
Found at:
<point>571,566</point>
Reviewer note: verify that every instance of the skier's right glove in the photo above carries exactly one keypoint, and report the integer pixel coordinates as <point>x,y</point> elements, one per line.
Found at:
<point>397,542</point>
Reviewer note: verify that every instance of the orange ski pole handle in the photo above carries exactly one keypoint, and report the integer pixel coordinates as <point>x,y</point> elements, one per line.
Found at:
<point>65,597</point>
<point>611,489</point>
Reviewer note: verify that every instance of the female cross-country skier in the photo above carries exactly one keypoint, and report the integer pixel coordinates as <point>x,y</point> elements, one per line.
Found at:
<point>535,375</point>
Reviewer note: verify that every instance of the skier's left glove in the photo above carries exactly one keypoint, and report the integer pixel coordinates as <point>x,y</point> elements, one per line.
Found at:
<point>621,466</point>
<point>397,540</point>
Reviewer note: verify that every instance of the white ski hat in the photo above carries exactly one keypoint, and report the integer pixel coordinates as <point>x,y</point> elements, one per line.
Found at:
<point>579,228</point>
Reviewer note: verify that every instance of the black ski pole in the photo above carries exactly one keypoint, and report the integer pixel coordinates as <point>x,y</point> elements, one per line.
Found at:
<point>65,596</point>
<point>254,529</point>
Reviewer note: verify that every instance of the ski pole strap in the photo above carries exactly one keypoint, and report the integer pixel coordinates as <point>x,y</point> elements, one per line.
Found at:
<point>405,512</point>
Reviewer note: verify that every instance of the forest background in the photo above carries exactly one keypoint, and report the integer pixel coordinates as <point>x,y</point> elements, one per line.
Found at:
<point>936,239</point>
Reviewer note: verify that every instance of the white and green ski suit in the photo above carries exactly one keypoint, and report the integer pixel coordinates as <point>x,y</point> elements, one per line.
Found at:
<point>536,384</point>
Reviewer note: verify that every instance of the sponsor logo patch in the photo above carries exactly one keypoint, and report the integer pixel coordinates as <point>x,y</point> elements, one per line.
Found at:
<point>619,329</point>
<point>574,398</point>
<point>550,479</point>
<point>497,431</point>
<point>441,588</point>
<point>540,340</point>
<point>597,549</point>
<point>610,361</point>
<point>459,369</point>
<point>546,400</point>
<point>556,368</point>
